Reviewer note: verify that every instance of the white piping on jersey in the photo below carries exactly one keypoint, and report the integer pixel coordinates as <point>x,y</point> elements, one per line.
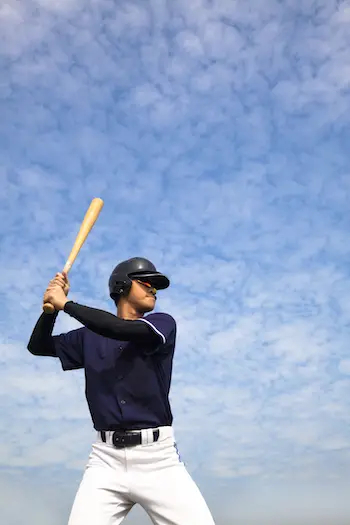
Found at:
<point>154,328</point>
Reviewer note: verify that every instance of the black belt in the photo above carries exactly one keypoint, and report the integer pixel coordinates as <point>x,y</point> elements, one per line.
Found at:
<point>127,439</point>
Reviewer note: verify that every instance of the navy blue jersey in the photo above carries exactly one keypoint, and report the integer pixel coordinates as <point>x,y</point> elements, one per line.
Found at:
<point>127,384</point>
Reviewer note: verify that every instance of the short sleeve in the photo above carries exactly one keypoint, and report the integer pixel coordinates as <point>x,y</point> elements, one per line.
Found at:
<point>69,349</point>
<point>163,325</point>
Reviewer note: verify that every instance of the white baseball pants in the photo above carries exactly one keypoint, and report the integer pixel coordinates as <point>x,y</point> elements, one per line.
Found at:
<point>151,474</point>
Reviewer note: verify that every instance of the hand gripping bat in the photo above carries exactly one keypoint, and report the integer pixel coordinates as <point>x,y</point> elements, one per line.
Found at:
<point>85,228</point>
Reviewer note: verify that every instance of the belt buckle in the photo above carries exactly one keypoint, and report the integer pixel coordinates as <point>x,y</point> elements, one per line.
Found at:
<point>118,439</point>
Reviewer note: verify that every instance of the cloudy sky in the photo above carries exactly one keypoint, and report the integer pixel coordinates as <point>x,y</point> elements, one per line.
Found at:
<point>217,133</point>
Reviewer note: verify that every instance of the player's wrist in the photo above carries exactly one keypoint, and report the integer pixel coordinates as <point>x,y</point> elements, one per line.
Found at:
<point>61,304</point>
<point>67,302</point>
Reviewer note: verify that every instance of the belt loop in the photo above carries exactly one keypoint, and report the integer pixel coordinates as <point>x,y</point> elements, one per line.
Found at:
<point>148,436</point>
<point>144,436</point>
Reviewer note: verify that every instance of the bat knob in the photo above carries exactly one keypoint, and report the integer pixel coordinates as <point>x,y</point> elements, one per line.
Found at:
<point>48,308</point>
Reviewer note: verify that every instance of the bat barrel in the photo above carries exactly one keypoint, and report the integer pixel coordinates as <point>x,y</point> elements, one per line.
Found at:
<point>90,218</point>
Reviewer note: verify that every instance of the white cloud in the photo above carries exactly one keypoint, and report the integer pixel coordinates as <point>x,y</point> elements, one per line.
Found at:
<point>344,366</point>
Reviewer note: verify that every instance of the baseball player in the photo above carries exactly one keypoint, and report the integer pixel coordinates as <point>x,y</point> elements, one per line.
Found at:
<point>127,359</point>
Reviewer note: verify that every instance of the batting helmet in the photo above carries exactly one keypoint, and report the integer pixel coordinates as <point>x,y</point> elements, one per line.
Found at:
<point>135,268</point>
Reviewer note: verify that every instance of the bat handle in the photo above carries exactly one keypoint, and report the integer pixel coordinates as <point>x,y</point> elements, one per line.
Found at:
<point>47,307</point>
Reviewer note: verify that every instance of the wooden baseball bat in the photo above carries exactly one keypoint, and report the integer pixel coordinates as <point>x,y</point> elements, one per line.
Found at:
<point>85,228</point>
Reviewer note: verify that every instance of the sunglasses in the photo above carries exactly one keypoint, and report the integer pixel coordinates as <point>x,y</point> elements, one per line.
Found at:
<point>148,285</point>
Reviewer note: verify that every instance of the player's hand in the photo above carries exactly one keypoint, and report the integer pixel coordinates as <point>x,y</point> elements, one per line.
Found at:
<point>61,279</point>
<point>55,295</point>
<point>66,287</point>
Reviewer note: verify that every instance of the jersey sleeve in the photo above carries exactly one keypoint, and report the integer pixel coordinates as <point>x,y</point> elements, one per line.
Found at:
<point>164,326</point>
<point>108,325</point>
<point>69,349</point>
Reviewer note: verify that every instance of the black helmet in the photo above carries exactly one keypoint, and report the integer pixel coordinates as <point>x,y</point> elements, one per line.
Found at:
<point>137,267</point>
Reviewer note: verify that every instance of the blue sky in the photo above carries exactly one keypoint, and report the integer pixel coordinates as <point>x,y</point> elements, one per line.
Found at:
<point>217,133</point>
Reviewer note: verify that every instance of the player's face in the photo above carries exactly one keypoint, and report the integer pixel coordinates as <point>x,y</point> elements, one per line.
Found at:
<point>142,296</point>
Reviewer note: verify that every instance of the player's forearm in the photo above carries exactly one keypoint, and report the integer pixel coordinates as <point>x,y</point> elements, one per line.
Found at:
<point>41,341</point>
<point>109,325</point>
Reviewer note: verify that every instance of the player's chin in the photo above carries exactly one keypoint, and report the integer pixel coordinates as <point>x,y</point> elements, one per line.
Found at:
<point>148,304</point>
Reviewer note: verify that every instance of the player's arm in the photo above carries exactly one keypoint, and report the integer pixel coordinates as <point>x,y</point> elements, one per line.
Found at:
<point>111,326</point>
<point>41,341</point>
<point>107,324</point>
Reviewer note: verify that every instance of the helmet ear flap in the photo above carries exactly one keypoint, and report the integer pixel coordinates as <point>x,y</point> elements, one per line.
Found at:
<point>120,288</point>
